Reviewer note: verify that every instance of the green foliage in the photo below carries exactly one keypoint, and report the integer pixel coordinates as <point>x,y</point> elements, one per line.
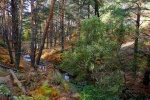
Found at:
<point>96,51</point>
<point>4,90</point>
<point>22,97</point>
<point>26,35</point>
<point>25,97</point>
<point>107,89</point>
<point>59,79</point>
<point>45,84</point>
<point>1,43</point>
<point>93,44</point>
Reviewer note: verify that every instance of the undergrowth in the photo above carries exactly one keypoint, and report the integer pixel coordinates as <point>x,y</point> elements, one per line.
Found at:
<point>102,90</point>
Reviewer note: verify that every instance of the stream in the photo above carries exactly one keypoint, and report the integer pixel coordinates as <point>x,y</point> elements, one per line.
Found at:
<point>42,67</point>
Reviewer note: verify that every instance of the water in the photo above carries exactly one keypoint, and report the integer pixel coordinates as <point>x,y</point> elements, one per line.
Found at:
<point>66,77</point>
<point>43,67</point>
<point>28,59</point>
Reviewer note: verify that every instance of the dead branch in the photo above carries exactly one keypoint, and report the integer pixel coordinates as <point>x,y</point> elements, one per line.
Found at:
<point>6,67</point>
<point>17,81</point>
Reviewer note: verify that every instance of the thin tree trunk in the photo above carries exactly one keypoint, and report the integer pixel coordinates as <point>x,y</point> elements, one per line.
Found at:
<point>51,33</point>
<point>32,53</point>
<point>47,40</point>
<point>135,65</point>
<point>45,31</point>
<point>8,46</point>
<point>55,35</point>
<point>62,25</point>
<point>20,27</point>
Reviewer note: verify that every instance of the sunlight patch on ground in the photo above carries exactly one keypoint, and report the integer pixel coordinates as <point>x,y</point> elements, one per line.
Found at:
<point>127,44</point>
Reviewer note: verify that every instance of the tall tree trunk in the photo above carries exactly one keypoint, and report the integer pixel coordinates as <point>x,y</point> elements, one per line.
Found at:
<point>135,65</point>
<point>15,32</point>
<point>36,26</point>
<point>62,26</point>
<point>32,51</point>
<point>45,31</point>
<point>148,61</point>
<point>20,26</point>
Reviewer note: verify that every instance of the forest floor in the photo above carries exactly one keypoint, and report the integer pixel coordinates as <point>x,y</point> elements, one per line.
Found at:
<point>134,83</point>
<point>33,80</point>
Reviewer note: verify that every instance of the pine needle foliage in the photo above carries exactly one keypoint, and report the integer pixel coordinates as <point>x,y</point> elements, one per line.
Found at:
<point>94,44</point>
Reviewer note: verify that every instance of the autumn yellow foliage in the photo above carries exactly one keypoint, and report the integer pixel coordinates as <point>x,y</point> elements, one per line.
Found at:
<point>54,56</point>
<point>3,51</point>
<point>4,56</point>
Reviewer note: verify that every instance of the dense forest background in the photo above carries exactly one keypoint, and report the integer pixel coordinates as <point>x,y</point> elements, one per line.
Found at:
<point>74,49</point>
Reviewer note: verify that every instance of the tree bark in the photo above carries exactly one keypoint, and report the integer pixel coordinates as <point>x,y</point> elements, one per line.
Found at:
<point>51,33</point>
<point>15,32</point>
<point>135,65</point>
<point>55,34</point>
<point>20,26</point>
<point>45,31</point>
<point>32,46</point>
<point>146,77</point>
<point>62,26</point>
<point>8,46</point>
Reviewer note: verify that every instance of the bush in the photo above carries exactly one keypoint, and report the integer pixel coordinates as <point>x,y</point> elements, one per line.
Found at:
<point>1,43</point>
<point>4,90</point>
<point>102,90</point>
<point>92,46</point>
<point>26,35</point>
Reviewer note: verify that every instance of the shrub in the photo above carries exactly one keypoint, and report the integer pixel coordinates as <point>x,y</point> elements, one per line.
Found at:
<point>102,90</point>
<point>1,43</point>
<point>4,90</point>
<point>93,44</point>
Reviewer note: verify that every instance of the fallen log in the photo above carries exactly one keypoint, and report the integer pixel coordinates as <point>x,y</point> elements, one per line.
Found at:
<point>17,81</point>
<point>6,67</point>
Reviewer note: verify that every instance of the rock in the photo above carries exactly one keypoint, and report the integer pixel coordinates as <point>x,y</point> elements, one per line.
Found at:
<point>66,77</point>
<point>3,72</point>
<point>76,96</point>
<point>63,98</point>
<point>5,79</point>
